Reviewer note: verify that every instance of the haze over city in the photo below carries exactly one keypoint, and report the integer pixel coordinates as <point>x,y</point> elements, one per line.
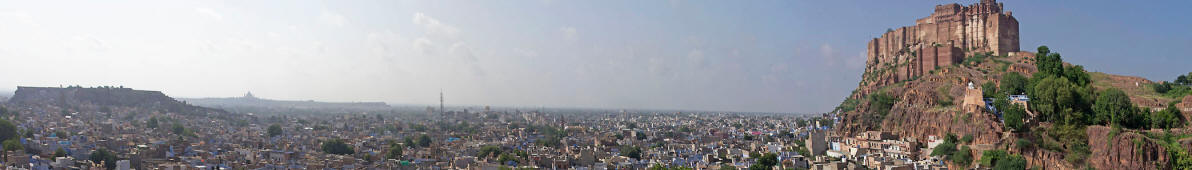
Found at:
<point>767,56</point>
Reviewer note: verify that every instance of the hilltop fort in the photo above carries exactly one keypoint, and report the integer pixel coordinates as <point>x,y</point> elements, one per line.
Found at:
<point>943,38</point>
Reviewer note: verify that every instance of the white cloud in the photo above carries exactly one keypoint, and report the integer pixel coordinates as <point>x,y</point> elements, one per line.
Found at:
<point>826,50</point>
<point>382,43</point>
<point>779,68</point>
<point>526,53</point>
<point>569,33</point>
<point>424,46</point>
<point>209,13</point>
<point>434,27</point>
<point>776,74</point>
<point>462,51</point>
<point>333,18</point>
<point>86,43</point>
<point>696,58</point>
<point>856,62</point>
<point>828,54</point>
<point>21,17</point>
<point>458,56</point>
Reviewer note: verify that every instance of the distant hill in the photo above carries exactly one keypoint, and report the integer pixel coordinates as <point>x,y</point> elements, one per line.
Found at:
<point>102,96</point>
<point>250,103</point>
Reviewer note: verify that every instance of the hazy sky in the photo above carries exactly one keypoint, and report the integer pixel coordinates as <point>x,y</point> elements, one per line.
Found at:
<point>771,56</point>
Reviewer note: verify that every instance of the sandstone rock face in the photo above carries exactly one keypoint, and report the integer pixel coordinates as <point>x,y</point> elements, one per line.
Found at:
<point>941,39</point>
<point>1045,159</point>
<point>1126,150</point>
<point>915,117</point>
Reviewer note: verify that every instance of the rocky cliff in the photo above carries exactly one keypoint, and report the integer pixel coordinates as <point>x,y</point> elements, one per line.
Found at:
<point>930,105</point>
<point>73,97</point>
<point>1124,150</point>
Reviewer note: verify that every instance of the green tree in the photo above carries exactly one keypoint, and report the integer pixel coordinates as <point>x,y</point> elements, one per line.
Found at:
<point>758,167</point>
<point>962,157</point>
<point>990,157</point>
<point>1013,116</point>
<point>59,153</point>
<point>152,124</point>
<point>631,152</point>
<point>506,157</point>
<point>1114,107</point>
<point>1170,117</point>
<point>409,141</point>
<point>395,152</point>
<point>1048,63</point>
<point>178,129</point>
<point>880,104</point>
<point>1058,100</point>
<point>338,147</point>
<point>1161,87</point>
<point>274,130</point>
<point>1001,160</point>
<point>106,157</point>
<point>1077,75</point>
<point>424,141</point>
<point>489,151</point>
<point>944,149</point>
<point>768,160</point>
<point>1182,80</point>
<point>7,130</point>
<point>11,145</point>
<point>989,90</point>
<point>61,134</point>
<point>1013,83</point>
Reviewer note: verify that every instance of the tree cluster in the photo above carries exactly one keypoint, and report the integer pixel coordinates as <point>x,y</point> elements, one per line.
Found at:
<point>274,130</point>
<point>338,147</point>
<point>1002,160</point>
<point>106,157</point>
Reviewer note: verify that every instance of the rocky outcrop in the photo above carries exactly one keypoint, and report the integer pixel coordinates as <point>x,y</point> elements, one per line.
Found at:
<point>918,116</point>
<point>73,97</point>
<point>921,110</point>
<point>1045,159</point>
<point>1125,150</point>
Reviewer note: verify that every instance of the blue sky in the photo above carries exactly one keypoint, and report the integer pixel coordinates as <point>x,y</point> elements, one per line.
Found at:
<point>768,56</point>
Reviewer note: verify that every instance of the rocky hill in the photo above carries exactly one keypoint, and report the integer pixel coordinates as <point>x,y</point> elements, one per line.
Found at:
<point>927,67</point>
<point>74,97</point>
<point>929,79</point>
